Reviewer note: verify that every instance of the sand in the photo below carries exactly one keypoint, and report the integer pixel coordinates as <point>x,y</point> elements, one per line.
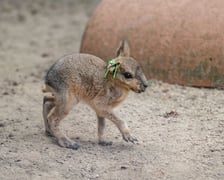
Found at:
<point>180,129</point>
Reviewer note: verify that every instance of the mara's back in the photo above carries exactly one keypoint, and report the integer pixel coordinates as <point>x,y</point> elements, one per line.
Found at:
<point>81,72</point>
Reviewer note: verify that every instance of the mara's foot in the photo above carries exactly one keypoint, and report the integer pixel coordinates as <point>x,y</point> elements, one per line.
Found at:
<point>67,143</point>
<point>105,143</point>
<point>129,138</point>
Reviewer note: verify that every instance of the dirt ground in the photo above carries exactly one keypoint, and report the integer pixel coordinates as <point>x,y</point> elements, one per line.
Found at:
<point>180,129</point>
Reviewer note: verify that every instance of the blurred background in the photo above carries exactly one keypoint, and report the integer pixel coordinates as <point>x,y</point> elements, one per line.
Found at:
<point>34,33</point>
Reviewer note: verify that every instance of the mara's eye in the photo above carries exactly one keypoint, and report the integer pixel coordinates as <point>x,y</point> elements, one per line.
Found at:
<point>128,75</point>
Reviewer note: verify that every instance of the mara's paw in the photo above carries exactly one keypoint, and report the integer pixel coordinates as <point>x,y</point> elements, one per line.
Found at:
<point>67,143</point>
<point>129,138</point>
<point>105,143</point>
<point>49,133</point>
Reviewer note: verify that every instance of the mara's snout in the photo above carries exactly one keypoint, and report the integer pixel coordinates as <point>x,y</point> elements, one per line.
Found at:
<point>143,87</point>
<point>144,83</point>
<point>140,88</point>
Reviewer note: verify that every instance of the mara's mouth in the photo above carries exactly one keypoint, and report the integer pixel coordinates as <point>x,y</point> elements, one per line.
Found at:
<point>139,90</point>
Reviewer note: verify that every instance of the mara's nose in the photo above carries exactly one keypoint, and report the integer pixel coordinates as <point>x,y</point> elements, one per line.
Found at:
<point>145,85</point>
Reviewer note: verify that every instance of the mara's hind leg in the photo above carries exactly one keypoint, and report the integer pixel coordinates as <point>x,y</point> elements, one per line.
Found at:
<point>48,104</point>
<point>101,127</point>
<point>63,104</point>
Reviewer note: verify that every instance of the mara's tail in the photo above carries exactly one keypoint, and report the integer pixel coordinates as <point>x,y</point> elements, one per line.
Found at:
<point>45,88</point>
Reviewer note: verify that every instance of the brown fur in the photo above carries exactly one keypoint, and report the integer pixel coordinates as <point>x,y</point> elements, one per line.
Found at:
<point>81,77</point>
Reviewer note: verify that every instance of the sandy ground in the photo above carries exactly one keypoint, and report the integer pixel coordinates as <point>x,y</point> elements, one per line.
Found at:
<point>180,129</point>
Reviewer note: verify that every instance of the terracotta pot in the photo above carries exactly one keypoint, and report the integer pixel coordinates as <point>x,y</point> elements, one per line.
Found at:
<point>175,41</point>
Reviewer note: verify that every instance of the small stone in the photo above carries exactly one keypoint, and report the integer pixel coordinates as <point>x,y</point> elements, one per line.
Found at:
<point>2,125</point>
<point>44,55</point>
<point>10,136</point>
<point>170,114</point>
<point>124,167</point>
<point>5,93</point>
<point>21,17</point>
<point>14,83</point>
<point>33,11</point>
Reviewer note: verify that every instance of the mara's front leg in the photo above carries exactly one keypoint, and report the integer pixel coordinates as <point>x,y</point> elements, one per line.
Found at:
<point>101,128</point>
<point>121,125</point>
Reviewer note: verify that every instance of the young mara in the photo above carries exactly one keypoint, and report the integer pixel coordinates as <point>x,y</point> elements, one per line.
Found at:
<point>84,77</point>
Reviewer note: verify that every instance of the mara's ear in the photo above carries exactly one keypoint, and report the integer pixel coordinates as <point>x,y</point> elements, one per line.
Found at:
<point>112,67</point>
<point>123,49</point>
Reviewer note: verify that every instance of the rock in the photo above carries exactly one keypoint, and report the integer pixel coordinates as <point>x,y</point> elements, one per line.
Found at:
<point>176,42</point>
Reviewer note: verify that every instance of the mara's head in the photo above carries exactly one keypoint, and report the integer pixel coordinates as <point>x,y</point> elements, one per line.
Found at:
<point>126,71</point>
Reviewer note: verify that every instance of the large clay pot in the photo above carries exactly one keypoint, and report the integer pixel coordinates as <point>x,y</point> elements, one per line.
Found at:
<point>175,41</point>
